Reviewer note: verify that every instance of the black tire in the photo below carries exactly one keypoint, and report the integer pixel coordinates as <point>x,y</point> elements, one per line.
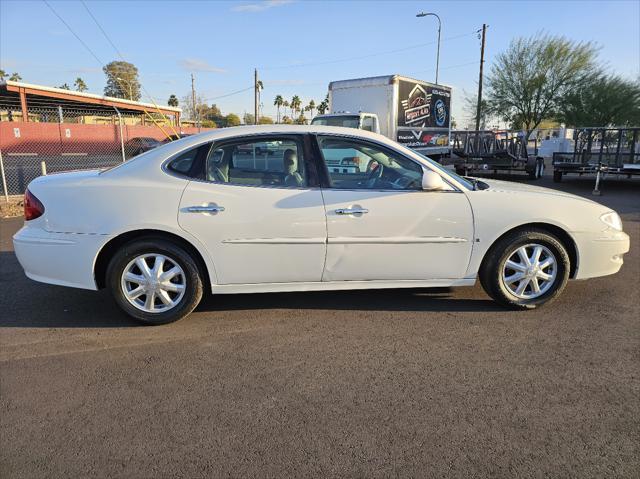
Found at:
<point>557,176</point>
<point>193,281</point>
<point>490,274</point>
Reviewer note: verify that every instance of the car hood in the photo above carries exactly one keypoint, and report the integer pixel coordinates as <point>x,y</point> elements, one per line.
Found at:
<point>498,186</point>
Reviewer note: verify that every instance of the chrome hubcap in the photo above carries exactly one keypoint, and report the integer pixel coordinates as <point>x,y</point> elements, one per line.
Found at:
<point>529,271</point>
<point>153,283</point>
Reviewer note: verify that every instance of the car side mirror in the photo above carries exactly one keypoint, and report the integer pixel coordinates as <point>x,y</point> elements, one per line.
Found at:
<point>432,181</point>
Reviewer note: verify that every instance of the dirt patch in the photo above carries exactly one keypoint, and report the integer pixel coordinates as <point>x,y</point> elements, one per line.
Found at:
<point>15,207</point>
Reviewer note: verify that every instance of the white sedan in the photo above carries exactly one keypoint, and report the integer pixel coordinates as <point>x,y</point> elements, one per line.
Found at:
<point>199,215</point>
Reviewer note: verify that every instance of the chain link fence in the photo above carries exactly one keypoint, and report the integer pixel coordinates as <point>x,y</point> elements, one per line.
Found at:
<point>56,139</point>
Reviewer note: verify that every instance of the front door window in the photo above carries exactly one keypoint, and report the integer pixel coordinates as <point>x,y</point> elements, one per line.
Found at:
<point>354,164</point>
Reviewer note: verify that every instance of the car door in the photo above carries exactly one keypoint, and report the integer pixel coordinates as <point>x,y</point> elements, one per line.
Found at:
<point>381,225</point>
<point>260,216</point>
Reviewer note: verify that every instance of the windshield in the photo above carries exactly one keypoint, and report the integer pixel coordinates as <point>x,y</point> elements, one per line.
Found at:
<point>352,121</point>
<point>467,184</point>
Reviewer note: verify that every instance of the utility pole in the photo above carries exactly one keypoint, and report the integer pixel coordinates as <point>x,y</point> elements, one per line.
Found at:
<point>479,109</point>
<point>193,101</point>
<point>256,93</point>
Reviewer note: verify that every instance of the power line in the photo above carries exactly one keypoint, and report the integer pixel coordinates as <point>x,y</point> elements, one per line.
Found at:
<point>229,94</point>
<point>363,57</point>
<point>74,33</point>
<point>95,20</point>
<point>101,29</point>
<point>475,62</point>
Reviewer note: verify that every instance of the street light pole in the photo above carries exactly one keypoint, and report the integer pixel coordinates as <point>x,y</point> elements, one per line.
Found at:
<point>427,14</point>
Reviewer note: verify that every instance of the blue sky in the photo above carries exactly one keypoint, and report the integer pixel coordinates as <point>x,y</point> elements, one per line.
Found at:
<point>297,46</point>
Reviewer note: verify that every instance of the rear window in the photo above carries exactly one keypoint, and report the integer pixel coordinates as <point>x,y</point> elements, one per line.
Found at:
<point>183,163</point>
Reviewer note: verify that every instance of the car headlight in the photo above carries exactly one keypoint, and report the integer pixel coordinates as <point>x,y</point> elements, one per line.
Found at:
<point>612,220</point>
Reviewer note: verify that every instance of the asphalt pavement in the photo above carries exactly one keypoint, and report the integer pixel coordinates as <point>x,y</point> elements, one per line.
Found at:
<point>402,383</point>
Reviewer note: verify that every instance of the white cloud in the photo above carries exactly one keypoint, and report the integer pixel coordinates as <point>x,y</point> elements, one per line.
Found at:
<point>259,7</point>
<point>198,65</point>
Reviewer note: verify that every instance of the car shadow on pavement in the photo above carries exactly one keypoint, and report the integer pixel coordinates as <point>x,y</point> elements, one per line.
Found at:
<point>405,299</point>
<point>28,304</point>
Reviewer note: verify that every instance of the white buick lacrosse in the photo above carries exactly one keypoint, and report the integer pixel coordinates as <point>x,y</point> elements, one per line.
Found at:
<point>257,209</point>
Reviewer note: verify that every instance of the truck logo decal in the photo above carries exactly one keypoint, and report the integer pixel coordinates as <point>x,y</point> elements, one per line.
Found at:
<point>422,105</point>
<point>440,110</point>
<point>417,107</point>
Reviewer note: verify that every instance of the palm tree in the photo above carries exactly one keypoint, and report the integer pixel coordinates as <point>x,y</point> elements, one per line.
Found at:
<point>295,105</point>
<point>278,102</point>
<point>80,85</point>
<point>285,104</point>
<point>310,107</point>
<point>324,105</point>
<point>173,101</point>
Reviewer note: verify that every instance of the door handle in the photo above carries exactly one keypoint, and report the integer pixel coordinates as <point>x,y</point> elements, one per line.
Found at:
<point>205,209</point>
<point>351,211</point>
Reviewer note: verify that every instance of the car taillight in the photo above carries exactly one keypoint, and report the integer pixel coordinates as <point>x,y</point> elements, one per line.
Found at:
<point>33,207</point>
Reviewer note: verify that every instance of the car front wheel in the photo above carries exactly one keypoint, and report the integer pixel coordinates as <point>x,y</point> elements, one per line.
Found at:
<point>154,281</point>
<point>525,269</point>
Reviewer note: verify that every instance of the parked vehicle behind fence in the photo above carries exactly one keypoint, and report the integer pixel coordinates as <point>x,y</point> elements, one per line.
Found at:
<point>138,145</point>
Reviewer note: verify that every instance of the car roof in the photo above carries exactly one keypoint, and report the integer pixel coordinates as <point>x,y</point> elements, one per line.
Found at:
<point>230,132</point>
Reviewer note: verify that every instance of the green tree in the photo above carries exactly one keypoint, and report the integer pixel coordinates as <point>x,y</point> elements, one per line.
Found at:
<point>64,86</point>
<point>232,119</point>
<point>287,120</point>
<point>209,124</point>
<point>602,101</point>
<point>122,80</point>
<point>278,103</point>
<point>3,75</point>
<point>172,101</point>
<point>310,107</point>
<point>265,120</point>
<point>530,78</point>
<point>213,113</point>
<point>15,77</point>
<point>295,105</point>
<point>80,85</point>
<point>301,120</point>
<point>285,104</point>
<point>324,105</point>
<point>249,119</point>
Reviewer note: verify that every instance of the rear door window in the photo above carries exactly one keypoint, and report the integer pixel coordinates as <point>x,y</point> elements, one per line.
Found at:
<point>273,162</point>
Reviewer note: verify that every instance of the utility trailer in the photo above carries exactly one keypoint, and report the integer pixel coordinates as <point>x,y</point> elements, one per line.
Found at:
<point>600,151</point>
<point>493,151</point>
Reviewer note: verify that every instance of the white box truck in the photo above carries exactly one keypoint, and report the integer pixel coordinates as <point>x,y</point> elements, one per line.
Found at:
<point>412,112</point>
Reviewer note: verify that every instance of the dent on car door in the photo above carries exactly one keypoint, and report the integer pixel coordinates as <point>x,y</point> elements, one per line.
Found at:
<point>258,214</point>
<point>381,225</point>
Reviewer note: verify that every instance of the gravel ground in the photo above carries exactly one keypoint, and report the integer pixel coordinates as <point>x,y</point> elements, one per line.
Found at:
<point>409,383</point>
<point>12,208</point>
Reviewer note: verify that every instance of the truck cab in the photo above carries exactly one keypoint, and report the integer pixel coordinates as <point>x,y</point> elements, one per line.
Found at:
<point>360,120</point>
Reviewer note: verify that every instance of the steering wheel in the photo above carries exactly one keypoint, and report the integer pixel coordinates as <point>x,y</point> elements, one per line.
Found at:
<point>374,175</point>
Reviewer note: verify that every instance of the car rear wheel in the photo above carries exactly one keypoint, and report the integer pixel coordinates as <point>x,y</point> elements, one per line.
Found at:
<point>525,269</point>
<point>154,281</point>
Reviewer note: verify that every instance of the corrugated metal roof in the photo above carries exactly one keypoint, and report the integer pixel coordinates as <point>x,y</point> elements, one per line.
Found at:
<point>82,95</point>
